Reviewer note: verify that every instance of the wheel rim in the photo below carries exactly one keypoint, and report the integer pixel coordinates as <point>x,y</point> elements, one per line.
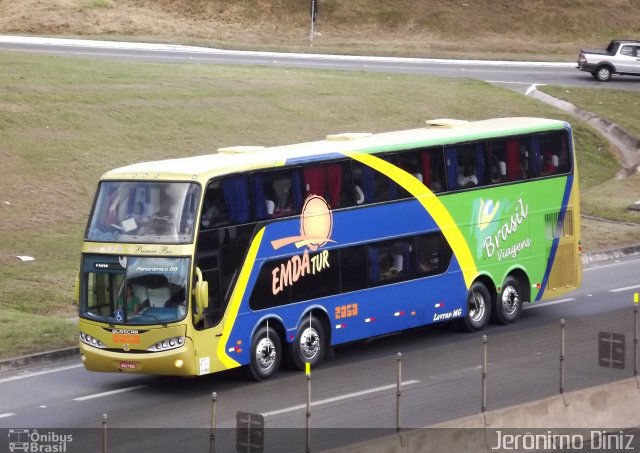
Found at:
<point>477,307</point>
<point>510,300</point>
<point>265,354</point>
<point>603,74</point>
<point>309,343</point>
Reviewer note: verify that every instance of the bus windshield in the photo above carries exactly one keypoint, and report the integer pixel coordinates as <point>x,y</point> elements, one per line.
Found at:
<point>135,291</point>
<point>144,212</point>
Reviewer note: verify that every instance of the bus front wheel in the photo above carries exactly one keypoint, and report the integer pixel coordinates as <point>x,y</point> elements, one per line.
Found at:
<point>310,343</point>
<point>478,309</point>
<point>266,353</point>
<point>509,303</point>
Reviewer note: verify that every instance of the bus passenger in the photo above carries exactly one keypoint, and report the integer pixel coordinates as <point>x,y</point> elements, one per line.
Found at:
<point>549,164</point>
<point>467,177</point>
<point>389,266</point>
<point>436,184</point>
<point>130,303</point>
<point>497,170</point>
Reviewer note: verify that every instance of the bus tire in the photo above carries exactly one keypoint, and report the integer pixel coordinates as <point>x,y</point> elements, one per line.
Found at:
<point>310,343</point>
<point>266,353</point>
<point>478,309</point>
<point>509,304</point>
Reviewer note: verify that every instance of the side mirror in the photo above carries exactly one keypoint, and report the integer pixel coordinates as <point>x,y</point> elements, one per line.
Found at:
<point>201,293</point>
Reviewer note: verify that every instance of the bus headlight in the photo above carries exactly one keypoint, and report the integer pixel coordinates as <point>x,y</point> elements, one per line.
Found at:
<point>91,341</point>
<point>167,344</point>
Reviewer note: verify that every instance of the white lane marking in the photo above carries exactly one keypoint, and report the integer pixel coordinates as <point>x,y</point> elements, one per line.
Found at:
<point>39,373</point>
<point>7,414</point>
<point>338,398</point>
<point>626,288</point>
<point>112,392</point>
<point>546,304</point>
<point>617,263</point>
<point>530,89</point>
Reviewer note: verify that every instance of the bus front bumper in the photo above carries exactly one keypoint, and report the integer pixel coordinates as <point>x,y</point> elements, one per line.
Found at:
<point>175,362</point>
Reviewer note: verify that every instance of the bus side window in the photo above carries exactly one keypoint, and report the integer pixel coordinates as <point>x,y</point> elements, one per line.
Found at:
<point>463,168</point>
<point>426,166</point>
<point>372,186</point>
<point>271,288</point>
<point>364,184</point>
<point>563,153</point>
<point>435,161</point>
<point>328,181</point>
<point>389,261</point>
<point>347,192</point>
<point>277,193</point>
<point>325,282</point>
<point>554,154</point>
<point>411,163</point>
<point>518,160</point>
<point>433,254</point>
<point>226,202</point>
<point>353,268</point>
<point>214,211</point>
<point>495,163</point>
<point>386,188</point>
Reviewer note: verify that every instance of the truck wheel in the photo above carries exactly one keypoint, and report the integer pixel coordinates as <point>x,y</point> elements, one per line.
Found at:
<point>478,309</point>
<point>509,304</point>
<point>266,353</point>
<point>603,73</point>
<point>310,343</point>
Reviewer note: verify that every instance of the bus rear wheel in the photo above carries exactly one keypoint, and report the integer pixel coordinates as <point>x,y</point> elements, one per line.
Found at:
<point>509,304</point>
<point>478,309</point>
<point>310,343</point>
<point>266,353</point>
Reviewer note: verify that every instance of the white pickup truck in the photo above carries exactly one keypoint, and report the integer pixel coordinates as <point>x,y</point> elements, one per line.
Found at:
<point>621,57</point>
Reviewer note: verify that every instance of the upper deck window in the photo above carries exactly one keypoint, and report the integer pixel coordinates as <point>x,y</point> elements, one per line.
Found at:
<point>144,212</point>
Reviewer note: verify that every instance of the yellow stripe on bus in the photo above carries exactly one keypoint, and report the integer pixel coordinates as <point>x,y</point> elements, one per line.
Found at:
<point>236,298</point>
<point>433,206</point>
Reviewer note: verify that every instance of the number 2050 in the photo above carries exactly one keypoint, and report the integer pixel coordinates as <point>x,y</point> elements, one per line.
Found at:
<point>346,311</point>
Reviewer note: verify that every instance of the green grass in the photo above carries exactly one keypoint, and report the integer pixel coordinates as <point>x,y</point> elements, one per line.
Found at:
<point>65,121</point>
<point>618,106</point>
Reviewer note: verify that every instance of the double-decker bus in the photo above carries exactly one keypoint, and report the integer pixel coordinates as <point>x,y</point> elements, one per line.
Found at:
<point>255,255</point>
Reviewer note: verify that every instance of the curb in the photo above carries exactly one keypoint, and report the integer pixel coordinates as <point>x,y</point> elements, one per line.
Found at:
<point>38,358</point>
<point>594,257</point>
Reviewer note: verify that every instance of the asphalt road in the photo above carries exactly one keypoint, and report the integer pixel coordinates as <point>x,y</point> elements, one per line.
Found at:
<point>515,75</point>
<point>355,389</point>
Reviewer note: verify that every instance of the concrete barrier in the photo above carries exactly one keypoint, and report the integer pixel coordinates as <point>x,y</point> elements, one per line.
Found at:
<point>611,406</point>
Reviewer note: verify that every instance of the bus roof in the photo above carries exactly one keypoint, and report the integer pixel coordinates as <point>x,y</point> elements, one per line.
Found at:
<point>244,158</point>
